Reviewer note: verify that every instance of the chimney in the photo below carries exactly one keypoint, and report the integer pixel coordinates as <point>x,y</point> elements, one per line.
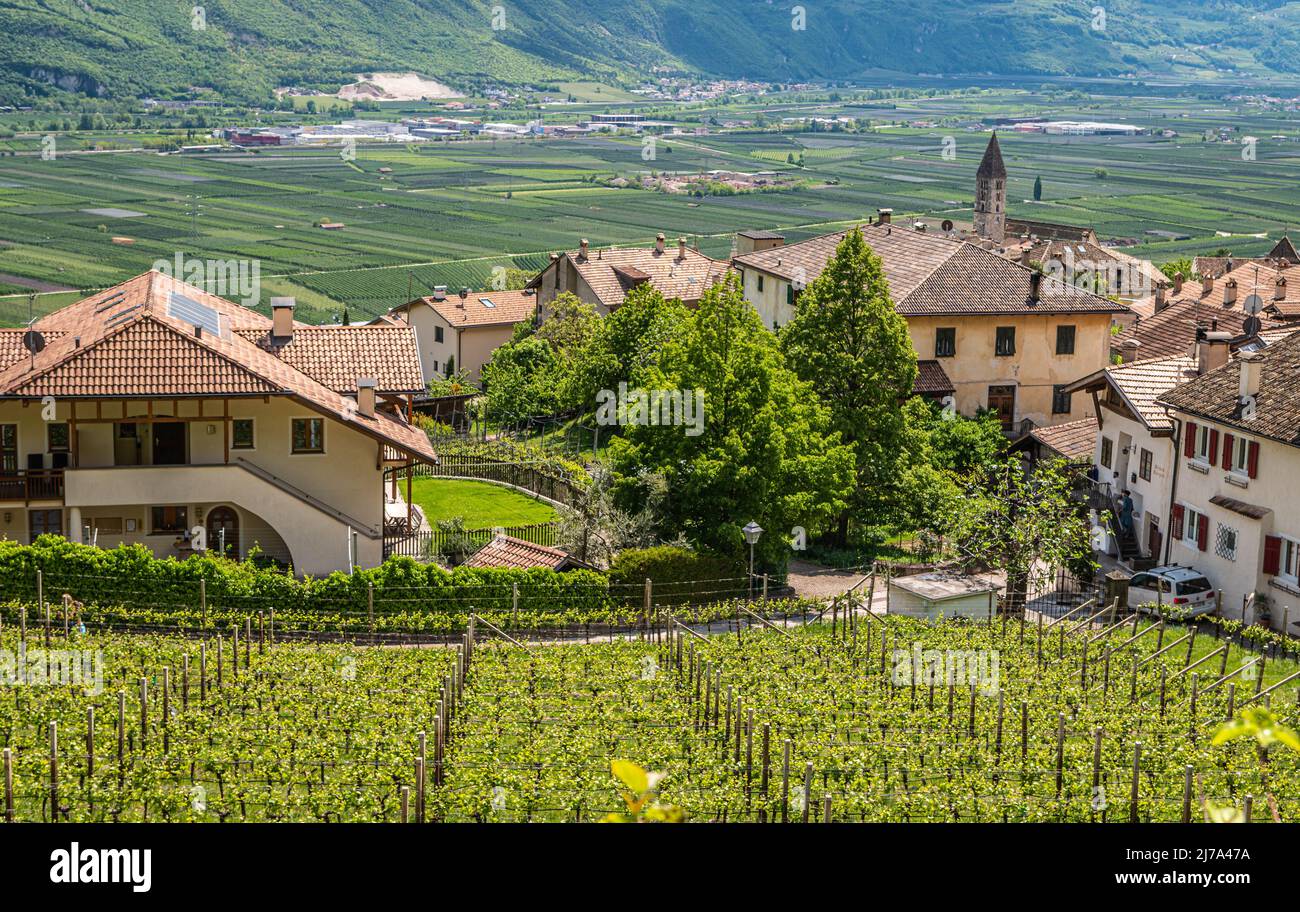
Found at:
<point>366,397</point>
<point>1279,290</point>
<point>1035,285</point>
<point>1212,350</point>
<point>440,292</point>
<point>1178,283</point>
<point>886,216</point>
<point>584,247</point>
<point>282,318</point>
<point>1252,365</point>
<point>660,243</point>
<point>464,296</point>
<point>1229,292</point>
<point>1128,351</point>
<point>1161,304</point>
<point>1207,284</point>
<point>681,248</point>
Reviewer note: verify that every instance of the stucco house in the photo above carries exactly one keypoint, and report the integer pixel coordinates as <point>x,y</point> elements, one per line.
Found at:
<point>1235,504</point>
<point>156,413</point>
<point>1006,337</point>
<point>461,331</point>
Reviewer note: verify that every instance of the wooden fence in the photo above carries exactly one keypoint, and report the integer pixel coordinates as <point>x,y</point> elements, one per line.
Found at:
<point>534,478</point>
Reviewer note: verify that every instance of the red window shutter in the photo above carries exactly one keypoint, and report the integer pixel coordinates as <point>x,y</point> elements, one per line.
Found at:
<point>1213,448</point>
<point>1178,521</point>
<point>1228,442</point>
<point>1203,531</point>
<point>1189,445</point>
<point>1252,459</point>
<point>1272,554</point>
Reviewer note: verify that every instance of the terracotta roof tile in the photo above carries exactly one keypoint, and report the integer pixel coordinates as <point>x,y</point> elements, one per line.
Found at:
<point>675,277</point>
<point>1073,440</point>
<point>508,307</point>
<point>513,553</point>
<point>932,379</point>
<point>338,356</point>
<point>929,274</point>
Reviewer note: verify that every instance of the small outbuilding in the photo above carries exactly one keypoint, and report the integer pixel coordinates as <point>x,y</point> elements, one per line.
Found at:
<point>942,595</point>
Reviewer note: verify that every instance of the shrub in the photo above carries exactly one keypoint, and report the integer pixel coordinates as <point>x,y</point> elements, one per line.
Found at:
<point>677,575</point>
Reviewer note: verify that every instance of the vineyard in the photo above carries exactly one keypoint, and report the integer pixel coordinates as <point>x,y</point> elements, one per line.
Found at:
<point>842,718</point>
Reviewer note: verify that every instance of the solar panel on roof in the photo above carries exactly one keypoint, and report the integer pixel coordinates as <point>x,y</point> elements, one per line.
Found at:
<point>191,311</point>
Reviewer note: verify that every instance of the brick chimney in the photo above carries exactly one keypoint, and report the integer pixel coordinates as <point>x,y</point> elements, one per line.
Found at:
<point>584,247</point>
<point>885,216</point>
<point>1035,285</point>
<point>1279,290</point>
<point>282,318</point>
<point>1207,284</point>
<point>681,248</point>
<point>1161,303</point>
<point>660,243</point>
<point>1178,283</point>
<point>1229,292</point>
<point>1128,351</point>
<point>366,396</point>
<point>1252,366</point>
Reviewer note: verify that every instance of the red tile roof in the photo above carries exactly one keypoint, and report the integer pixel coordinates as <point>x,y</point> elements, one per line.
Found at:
<point>513,553</point>
<point>932,380</point>
<point>933,275</point>
<point>137,340</point>
<point>338,356</point>
<point>507,308</point>
<point>686,278</point>
<point>1073,440</point>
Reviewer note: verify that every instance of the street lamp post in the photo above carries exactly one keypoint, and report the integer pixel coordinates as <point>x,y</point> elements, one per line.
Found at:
<point>752,532</point>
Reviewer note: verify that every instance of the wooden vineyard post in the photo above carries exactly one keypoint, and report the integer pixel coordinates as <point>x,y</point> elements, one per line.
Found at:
<point>144,714</point>
<point>1187,794</point>
<point>221,648</point>
<point>185,682</point>
<point>203,601</point>
<point>121,736</point>
<point>40,604</point>
<point>649,595</point>
<point>1002,705</point>
<point>826,809</point>
<point>261,633</point>
<point>54,772</point>
<point>785,783</point>
<point>767,766</point>
<point>406,803</point>
<point>90,742</point>
<point>370,605</point>
<point>1096,768</point>
<point>203,672</point>
<point>749,756</point>
<point>1060,752</point>
<point>248,643</point>
<point>1133,793</point>
<point>807,790</point>
<point>1024,730</point>
<point>1248,810</point>
<point>9,785</point>
<point>419,790</point>
<point>166,707</point>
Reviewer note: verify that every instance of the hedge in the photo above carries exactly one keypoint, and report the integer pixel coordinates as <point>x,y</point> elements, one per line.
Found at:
<point>132,575</point>
<point>677,575</point>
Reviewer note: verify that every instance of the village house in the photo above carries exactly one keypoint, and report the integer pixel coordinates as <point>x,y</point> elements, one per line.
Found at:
<point>1235,504</point>
<point>158,414</point>
<point>459,333</point>
<point>604,277</point>
<point>997,333</point>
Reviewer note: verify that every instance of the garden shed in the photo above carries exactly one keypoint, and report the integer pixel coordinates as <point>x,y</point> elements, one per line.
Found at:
<point>941,595</point>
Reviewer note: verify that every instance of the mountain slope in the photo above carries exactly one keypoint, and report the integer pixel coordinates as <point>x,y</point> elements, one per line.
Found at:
<point>247,48</point>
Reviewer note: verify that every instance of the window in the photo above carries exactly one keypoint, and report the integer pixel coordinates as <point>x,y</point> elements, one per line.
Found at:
<point>1240,456</point>
<point>8,448</point>
<point>168,520</point>
<point>127,430</point>
<point>437,334</point>
<point>57,436</point>
<point>1195,525</point>
<point>1204,441</point>
<point>309,435</point>
<point>1006,341</point>
<point>760,283</point>
<point>1290,560</point>
<point>1225,542</point>
<point>1065,340</point>
<point>791,295</point>
<point>945,342</point>
<point>1107,452</point>
<point>1060,400</point>
<point>241,434</point>
<point>1144,465</point>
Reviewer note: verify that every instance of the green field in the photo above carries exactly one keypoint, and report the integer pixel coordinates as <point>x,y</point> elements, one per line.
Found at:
<point>480,504</point>
<point>452,213</point>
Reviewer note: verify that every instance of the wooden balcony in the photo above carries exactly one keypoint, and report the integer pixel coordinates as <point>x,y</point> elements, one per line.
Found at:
<point>37,485</point>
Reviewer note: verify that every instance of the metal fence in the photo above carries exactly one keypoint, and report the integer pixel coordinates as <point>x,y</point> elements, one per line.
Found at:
<point>429,544</point>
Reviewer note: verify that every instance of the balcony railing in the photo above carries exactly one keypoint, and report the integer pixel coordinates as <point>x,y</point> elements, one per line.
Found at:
<point>38,484</point>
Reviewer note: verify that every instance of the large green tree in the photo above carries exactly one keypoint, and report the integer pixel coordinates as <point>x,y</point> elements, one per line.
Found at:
<point>765,451</point>
<point>849,343</point>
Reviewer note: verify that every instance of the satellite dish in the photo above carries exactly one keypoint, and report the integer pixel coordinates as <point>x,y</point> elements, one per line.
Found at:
<point>1253,304</point>
<point>33,341</point>
<point>947,225</point>
<point>1251,326</point>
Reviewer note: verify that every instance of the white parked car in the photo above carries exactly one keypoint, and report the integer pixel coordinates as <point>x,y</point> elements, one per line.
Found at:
<point>1180,591</point>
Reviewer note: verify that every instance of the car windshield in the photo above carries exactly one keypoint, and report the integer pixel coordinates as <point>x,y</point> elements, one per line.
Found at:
<point>1194,586</point>
<point>1147,581</point>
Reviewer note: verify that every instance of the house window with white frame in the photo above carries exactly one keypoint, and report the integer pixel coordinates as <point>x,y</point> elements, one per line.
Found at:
<point>1239,459</point>
<point>1289,565</point>
<point>1202,451</point>
<point>1191,526</point>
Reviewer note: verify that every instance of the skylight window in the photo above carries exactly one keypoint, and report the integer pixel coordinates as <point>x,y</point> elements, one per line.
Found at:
<point>486,302</point>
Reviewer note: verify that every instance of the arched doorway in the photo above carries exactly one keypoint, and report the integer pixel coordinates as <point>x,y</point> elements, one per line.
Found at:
<point>223,520</point>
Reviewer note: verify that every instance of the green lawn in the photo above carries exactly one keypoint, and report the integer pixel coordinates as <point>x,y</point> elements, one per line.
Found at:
<point>481,505</point>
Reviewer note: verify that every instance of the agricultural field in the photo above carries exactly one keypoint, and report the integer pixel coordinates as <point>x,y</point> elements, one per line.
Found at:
<point>453,213</point>
<point>883,719</point>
